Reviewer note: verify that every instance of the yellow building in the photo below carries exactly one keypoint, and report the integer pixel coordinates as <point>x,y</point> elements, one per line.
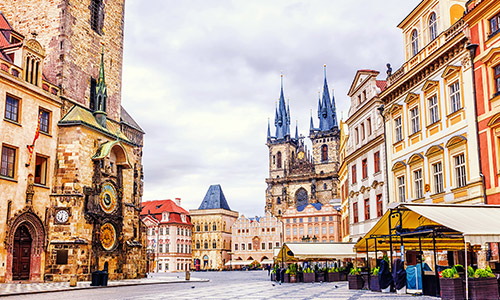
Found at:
<point>343,178</point>
<point>27,101</point>
<point>430,124</point>
<point>211,238</point>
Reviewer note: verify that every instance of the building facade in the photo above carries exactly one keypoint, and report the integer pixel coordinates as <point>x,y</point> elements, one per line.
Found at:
<point>169,232</point>
<point>316,222</point>
<point>343,181</point>
<point>30,107</point>
<point>365,154</point>
<point>483,18</point>
<point>297,177</point>
<point>255,238</point>
<point>212,221</point>
<point>430,135</point>
<point>93,214</point>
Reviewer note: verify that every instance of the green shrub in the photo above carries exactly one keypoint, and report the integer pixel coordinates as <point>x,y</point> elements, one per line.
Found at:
<point>355,271</point>
<point>375,271</point>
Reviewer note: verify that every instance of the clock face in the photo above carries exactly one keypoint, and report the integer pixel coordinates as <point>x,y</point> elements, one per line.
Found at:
<point>108,198</point>
<point>300,155</point>
<point>108,236</point>
<point>62,216</point>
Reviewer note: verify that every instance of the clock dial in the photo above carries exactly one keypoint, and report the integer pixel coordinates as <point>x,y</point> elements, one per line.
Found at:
<point>300,155</point>
<point>108,198</point>
<point>108,236</point>
<point>62,216</point>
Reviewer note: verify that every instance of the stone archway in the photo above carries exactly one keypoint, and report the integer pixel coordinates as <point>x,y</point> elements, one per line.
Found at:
<point>33,227</point>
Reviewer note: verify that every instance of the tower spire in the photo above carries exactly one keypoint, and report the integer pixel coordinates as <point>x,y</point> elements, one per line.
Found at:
<point>101,94</point>
<point>268,129</point>
<point>297,130</point>
<point>282,119</point>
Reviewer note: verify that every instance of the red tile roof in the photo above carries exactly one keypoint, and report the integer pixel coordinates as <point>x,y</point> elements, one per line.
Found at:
<point>382,85</point>
<point>157,207</point>
<point>4,24</point>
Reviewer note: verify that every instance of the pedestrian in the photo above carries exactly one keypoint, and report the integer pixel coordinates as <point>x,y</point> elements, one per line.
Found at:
<point>268,270</point>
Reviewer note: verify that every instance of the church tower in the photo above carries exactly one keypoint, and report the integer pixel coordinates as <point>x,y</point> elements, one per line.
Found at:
<point>325,144</point>
<point>282,151</point>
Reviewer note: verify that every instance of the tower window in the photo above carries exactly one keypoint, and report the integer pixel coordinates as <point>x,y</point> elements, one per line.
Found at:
<point>279,160</point>
<point>96,15</point>
<point>324,153</point>
<point>278,201</point>
<point>92,98</point>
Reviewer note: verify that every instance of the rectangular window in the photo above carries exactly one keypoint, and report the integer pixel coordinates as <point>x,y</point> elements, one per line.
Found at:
<point>433,110</point>
<point>357,135</point>
<point>415,120</point>
<point>376,161</point>
<point>270,246</point>
<point>96,15</point>
<point>401,189</point>
<point>355,212</point>
<point>419,183</point>
<point>8,161</point>
<point>380,211</point>
<point>315,219</point>
<point>316,230</point>
<point>12,109</point>
<point>367,209</point>
<point>364,168</point>
<point>362,131</point>
<point>44,121</point>
<point>62,257</point>
<point>330,218</point>
<point>494,25</point>
<point>460,172</point>
<point>496,75</point>
<point>455,101</point>
<point>331,229</point>
<point>323,230</point>
<point>41,170</point>
<point>323,219</point>
<point>398,129</point>
<point>242,246</point>
<point>353,174</point>
<point>438,177</point>
<point>288,231</point>
<point>300,220</point>
<point>236,247</point>
<point>301,230</point>
<point>369,123</point>
<point>295,231</point>
<point>310,230</point>
<point>277,244</point>
<point>263,246</point>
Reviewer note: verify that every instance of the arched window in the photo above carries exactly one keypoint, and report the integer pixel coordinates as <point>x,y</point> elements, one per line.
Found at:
<point>206,227</point>
<point>197,244</point>
<point>206,245</point>
<point>324,186</point>
<point>278,201</point>
<point>198,227</point>
<point>432,27</point>
<point>214,227</point>
<point>301,197</point>
<point>214,244</point>
<point>324,153</point>
<point>278,165</point>
<point>414,42</point>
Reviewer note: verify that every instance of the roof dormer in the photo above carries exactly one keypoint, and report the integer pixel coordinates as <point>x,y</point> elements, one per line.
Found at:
<point>33,55</point>
<point>165,216</point>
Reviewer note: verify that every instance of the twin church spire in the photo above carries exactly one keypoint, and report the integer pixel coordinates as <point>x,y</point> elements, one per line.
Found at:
<point>326,114</point>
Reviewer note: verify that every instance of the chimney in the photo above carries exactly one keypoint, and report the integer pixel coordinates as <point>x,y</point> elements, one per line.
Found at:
<point>178,201</point>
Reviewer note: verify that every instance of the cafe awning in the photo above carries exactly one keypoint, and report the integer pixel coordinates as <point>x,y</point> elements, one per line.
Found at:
<point>315,251</point>
<point>476,224</point>
<point>240,262</point>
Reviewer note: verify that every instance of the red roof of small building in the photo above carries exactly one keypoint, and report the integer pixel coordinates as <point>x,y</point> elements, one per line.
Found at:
<point>156,208</point>
<point>382,85</point>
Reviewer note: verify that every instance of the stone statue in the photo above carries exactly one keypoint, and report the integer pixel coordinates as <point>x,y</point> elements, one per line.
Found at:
<point>389,70</point>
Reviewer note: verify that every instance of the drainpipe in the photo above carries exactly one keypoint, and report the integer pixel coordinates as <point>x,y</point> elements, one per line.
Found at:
<point>472,49</point>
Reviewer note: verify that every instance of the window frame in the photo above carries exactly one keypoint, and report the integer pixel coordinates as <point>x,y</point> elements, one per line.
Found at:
<point>376,162</point>
<point>415,119</point>
<point>324,153</point>
<point>353,174</point>
<point>401,188</point>
<point>437,177</point>
<point>355,217</point>
<point>432,27</point>
<point>380,207</point>
<point>494,25</point>
<point>455,96</point>
<point>414,42</point>
<point>398,129</point>
<point>41,112</point>
<point>364,168</point>
<point>367,208</point>
<point>496,79</point>
<point>460,170</point>
<point>7,105</point>
<point>10,170</point>
<point>433,109</point>
<point>418,183</point>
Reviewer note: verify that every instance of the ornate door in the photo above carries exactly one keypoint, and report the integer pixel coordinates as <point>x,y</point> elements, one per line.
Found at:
<point>21,254</point>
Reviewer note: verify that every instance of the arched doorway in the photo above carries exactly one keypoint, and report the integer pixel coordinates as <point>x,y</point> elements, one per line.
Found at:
<point>21,254</point>
<point>205,261</point>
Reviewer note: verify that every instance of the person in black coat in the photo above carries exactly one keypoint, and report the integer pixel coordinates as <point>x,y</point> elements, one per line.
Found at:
<point>399,274</point>
<point>384,275</point>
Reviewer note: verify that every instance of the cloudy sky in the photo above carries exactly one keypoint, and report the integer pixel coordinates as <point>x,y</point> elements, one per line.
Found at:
<point>202,79</point>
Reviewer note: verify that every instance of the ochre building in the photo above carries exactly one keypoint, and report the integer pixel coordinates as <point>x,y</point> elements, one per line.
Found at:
<point>297,177</point>
<point>87,214</point>
<point>212,223</point>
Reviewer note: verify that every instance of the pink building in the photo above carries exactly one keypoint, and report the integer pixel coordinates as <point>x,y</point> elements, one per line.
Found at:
<point>315,222</point>
<point>169,235</point>
<point>254,240</point>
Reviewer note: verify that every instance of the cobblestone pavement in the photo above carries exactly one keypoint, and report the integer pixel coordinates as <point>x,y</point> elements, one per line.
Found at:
<point>224,285</point>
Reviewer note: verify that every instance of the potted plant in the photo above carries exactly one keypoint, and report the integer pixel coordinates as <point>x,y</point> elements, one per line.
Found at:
<point>343,273</point>
<point>300,274</point>
<point>293,273</point>
<point>286,276</point>
<point>308,275</point>
<point>355,279</point>
<point>451,285</point>
<point>482,284</point>
<point>319,274</point>
<point>374,283</point>
<point>333,275</point>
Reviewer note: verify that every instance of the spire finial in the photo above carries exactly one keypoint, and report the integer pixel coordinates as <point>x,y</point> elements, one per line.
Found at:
<point>324,67</point>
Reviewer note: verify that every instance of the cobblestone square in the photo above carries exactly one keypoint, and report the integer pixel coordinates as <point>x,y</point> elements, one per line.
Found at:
<point>224,285</point>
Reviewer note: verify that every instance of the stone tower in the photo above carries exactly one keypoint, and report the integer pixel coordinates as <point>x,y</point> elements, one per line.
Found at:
<point>72,33</point>
<point>296,177</point>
